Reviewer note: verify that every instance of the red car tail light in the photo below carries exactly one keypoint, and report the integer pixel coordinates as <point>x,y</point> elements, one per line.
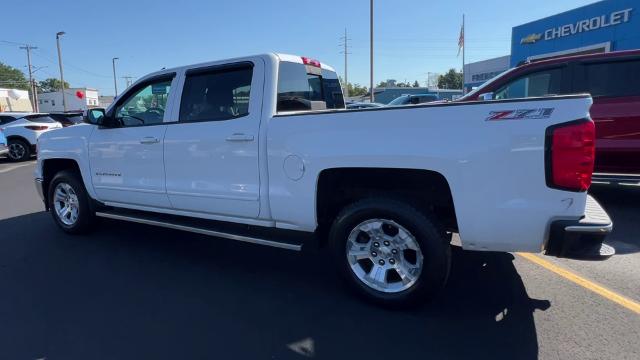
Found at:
<point>570,155</point>
<point>37,128</point>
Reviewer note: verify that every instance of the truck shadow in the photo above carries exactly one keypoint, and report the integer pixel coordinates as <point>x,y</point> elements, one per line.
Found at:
<point>130,291</point>
<point>622,205</point>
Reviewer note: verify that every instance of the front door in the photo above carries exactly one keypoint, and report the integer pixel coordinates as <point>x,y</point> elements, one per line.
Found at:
<point>127,161</point>
<point>211,154</point>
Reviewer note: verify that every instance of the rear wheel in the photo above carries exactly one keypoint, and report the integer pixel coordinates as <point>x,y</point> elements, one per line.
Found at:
<point>390,252</point>
<point>19,150</point>
<point>70,203</point>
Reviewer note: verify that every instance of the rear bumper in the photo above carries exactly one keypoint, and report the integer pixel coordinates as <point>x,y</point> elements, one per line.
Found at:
<point>582,239</point>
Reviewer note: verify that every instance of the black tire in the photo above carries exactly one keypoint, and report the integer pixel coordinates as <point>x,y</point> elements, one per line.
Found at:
<point>86,213</point>
<point>432,239</point>
<point>17,155</point>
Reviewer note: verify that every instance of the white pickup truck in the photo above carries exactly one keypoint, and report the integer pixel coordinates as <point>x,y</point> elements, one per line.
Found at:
<point>261,149</point>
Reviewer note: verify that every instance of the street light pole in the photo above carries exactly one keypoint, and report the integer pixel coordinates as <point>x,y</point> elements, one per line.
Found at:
<point>371,49</point>
<point>115,82</point>
<point>64,97</point>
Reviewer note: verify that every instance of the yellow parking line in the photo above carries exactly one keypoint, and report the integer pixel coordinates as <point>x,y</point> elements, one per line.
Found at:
<point>587,284</point>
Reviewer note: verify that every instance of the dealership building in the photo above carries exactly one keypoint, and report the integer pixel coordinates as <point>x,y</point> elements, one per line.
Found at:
<point>609,25</point>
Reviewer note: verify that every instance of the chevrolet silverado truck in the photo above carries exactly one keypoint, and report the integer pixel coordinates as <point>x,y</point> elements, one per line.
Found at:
<point>261,149</point>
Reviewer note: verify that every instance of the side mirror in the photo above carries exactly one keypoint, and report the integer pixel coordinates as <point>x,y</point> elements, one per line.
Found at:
<point>94,116</point>
<point>486,96</point>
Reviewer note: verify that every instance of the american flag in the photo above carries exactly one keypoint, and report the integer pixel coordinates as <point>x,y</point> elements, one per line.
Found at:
<point>461,39</point>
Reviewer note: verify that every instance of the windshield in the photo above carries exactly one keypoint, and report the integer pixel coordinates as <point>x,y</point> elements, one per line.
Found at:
<point>402,100</point>
<point>481,87</point>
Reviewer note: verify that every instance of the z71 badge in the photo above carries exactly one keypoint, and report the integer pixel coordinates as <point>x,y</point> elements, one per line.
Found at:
<point>520,114</point>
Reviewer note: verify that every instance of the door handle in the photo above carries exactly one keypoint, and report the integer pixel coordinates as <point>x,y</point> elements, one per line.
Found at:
<point>240,137</point>
<point>148,140</point>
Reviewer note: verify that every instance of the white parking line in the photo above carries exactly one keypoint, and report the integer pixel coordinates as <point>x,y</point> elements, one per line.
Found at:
<point>13,167</point>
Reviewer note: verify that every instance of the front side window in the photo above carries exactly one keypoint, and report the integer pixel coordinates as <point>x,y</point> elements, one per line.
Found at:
<point>145,106</point>
<point>216,95</point>
<point>542,83</point>
<point>610,79</point>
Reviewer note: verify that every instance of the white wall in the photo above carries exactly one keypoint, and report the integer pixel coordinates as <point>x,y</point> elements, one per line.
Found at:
<point>483,68</point>
<point>52,101</point>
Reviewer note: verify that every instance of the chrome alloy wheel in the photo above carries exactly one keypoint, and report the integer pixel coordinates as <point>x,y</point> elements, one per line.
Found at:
<point>66,204</point>
<point>384,255</point>
<point>16,150</point>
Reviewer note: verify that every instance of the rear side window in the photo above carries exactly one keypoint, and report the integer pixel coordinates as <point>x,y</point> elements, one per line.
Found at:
<point>40,119</point>
<point>216,94</point>
<point>609,79</point>
<point>6,119</point>
<point>304,87</point>
<point>541,83</point>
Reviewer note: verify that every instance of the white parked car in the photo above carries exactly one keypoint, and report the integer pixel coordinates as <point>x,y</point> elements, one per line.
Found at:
<point>261,149</point>
<point>3,144</point>
<point>22,131</point>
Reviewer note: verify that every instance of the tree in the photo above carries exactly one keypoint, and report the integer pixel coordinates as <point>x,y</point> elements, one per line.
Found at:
<point>355,89</point>
<point>12,78</point>
<point>451,80</point>
<point>52,84</point>
<point>416,84</point>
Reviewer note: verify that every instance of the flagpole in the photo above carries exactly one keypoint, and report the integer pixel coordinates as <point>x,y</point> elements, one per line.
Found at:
<point>464,45</point>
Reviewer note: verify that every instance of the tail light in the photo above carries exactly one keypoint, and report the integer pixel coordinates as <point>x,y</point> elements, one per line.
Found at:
<point>570,155</point>
<point>311,62</point>
<point>36,127</point>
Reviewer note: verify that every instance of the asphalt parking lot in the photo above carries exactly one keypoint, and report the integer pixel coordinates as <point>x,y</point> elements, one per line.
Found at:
<point>130,291</point>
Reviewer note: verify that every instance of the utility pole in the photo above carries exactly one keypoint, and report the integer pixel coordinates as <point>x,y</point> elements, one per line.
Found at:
<point>128,79</point>
<point>115,82</point>
<point>345,43</point>
<point>371,49</point>
<point>463,47</point>
<point>32,84</point>
<point>64,96</point>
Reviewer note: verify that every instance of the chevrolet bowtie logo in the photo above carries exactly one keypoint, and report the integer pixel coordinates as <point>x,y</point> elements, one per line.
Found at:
<point>531,39</point>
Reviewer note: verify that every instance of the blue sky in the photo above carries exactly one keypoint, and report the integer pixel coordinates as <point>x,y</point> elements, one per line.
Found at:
<point>413,37</point>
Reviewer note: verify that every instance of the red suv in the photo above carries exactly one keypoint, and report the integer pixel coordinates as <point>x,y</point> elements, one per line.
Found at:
<point>612,79</point>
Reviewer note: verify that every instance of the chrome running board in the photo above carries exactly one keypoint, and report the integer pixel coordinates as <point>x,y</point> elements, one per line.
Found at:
<point>174,223</point>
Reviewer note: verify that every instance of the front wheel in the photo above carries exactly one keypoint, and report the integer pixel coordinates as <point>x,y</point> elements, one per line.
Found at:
<point>390,252</point>
<point>70,203</point>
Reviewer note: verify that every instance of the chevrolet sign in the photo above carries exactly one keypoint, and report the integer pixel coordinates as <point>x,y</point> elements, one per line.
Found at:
<point>531,39</point>
<point>595,23</point>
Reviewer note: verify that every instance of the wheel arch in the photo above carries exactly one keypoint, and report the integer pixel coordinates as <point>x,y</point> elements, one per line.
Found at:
<point>18,137</point>
<point>424,189</point>
<point>52,166</point>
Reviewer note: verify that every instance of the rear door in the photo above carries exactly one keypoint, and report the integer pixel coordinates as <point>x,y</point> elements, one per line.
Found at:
<point>613,84</point>
<point>211,153</point>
